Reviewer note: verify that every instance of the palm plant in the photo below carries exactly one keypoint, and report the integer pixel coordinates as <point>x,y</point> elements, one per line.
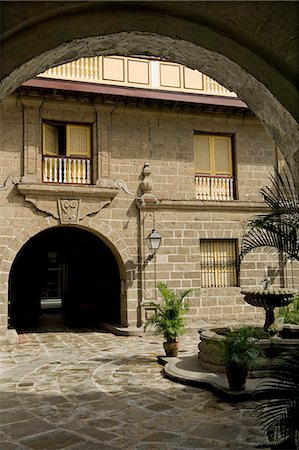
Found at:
<point>279,229</point>
<point>279,415</point>
<point>169,318</point>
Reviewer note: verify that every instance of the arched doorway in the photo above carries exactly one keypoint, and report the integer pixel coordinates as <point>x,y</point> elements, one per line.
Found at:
<point>67,272</point>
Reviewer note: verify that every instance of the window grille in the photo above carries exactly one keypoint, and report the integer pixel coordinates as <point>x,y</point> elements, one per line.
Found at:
<point>218,263</point>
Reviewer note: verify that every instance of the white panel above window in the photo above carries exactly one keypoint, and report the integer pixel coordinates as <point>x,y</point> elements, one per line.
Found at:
<point>193,79</point>
<point>170,75</point>
<point>138,72</point>
<point>113,69</point>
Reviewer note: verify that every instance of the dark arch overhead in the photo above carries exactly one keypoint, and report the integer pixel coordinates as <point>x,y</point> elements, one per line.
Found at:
<point>255,28</point>
<point>65,270</point>
<point>250,47</point>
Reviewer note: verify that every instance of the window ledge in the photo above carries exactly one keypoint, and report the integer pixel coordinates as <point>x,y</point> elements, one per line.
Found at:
<point>233,290</point>
<point>57,190</point>
<point>203,205</point>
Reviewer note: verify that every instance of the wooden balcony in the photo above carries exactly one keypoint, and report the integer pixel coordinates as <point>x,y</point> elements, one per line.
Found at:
<point>214,188</point>
<point>146,73</point>
<point>66,170</point>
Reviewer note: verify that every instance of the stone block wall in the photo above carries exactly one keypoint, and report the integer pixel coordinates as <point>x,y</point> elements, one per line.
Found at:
<point>166,141</point>
<point>124,138</point>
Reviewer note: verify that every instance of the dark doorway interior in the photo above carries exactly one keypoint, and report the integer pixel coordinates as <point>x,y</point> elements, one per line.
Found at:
<point>66,271</point>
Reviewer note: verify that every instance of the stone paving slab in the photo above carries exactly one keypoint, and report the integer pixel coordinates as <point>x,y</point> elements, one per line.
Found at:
<point>91,390</point>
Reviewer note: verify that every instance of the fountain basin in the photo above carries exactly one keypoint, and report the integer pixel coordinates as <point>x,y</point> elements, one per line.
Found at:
<point>211,359</point>
<point>269,299</point>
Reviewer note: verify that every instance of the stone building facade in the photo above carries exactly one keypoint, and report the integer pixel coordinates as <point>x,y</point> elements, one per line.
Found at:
<point>86,238</point>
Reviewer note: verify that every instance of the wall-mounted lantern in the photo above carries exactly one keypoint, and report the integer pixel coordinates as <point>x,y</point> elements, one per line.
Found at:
<point>153,241</point>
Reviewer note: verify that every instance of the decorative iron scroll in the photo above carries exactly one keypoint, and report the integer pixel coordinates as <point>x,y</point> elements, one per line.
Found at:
<point>68,210</point>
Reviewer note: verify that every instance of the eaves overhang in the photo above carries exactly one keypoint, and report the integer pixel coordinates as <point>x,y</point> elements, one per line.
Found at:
<point>132,96</point>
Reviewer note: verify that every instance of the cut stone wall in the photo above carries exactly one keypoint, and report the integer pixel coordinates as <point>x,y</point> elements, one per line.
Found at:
<point>232,55</point>
<point>124,139</point>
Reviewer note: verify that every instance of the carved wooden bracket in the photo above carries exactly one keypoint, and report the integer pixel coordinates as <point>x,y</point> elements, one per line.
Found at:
<point>69,204</point>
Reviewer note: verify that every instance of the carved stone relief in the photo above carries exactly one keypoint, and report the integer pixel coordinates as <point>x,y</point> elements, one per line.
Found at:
<point>71,204</point>
<point>119,184</point>
<point>68,210</point>
<point>10,181</point>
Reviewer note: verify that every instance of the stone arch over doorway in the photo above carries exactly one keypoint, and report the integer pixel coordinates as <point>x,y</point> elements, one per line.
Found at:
<point>109,238</point>
<point>227,42</point>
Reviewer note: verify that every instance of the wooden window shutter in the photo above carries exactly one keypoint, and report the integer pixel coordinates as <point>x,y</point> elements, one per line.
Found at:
<point>223,155</point>
<point>202,154</point>
<point>78,140</point>
<point>50,140</point>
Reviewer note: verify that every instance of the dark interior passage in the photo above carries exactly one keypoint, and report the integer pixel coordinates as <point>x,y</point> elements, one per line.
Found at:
<point>67,271</point>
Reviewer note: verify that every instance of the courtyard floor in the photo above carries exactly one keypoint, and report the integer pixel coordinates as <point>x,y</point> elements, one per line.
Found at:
<point>91,390</point>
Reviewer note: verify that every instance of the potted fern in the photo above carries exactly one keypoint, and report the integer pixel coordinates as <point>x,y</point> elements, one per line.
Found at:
<point>168,320</point>
<point>239,354</point>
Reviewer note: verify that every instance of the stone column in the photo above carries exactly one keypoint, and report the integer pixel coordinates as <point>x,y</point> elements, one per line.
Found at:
<point>103,113</point>
<point>32,152</point>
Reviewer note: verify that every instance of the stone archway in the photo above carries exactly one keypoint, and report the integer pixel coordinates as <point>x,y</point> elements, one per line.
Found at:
<point>67,271</point>
<point>225,41</point>
<point>105,233</point>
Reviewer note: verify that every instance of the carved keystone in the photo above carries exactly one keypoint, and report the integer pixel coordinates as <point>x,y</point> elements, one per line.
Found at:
<point>68,210</point>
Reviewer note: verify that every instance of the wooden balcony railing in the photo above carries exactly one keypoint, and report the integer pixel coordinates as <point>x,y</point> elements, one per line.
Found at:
<point>66,170</point>
<point>136,72</point>
<point>214,188</point>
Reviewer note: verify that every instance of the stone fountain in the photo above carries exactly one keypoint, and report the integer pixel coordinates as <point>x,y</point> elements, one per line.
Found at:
<point>269,299</point>
<point>287,338</point>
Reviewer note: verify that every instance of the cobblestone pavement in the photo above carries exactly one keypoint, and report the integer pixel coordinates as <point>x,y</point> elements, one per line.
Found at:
<point>90,390</point>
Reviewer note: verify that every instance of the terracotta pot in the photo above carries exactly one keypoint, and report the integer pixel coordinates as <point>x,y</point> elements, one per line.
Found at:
<point>236,377</point>
<point>171,348</point>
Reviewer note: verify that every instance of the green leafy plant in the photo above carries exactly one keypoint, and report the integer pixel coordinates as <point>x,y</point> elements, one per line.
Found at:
<point>239,353</point>
<point>279,415</point>
<point>290,313</point>
<point>169,318</point>
<point>278,230</point>
<point>238,347</point>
